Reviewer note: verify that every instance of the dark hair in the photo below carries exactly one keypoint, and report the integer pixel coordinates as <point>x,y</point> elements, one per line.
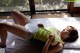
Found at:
<point>73,36</point>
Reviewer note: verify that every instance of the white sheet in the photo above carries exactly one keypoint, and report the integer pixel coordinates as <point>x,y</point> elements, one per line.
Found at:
<point>59,23</point>
<point>70,51</point>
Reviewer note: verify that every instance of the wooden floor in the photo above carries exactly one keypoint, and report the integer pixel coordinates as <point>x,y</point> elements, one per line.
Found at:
<point>9,17</point>
<point>49,15</point>
<point>43,15</point>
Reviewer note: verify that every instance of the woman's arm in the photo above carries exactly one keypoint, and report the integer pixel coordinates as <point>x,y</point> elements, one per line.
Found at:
<point>46,46</point>
<point>56,48</point>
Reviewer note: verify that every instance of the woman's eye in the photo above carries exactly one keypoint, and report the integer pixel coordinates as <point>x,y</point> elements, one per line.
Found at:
<point>63,29</point>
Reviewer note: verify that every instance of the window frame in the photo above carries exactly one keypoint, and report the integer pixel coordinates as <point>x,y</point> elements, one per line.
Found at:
<point>73,9</point>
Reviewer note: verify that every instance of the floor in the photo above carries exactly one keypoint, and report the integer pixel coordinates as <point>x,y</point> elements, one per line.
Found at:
<point>44,15</point>
<point>52,15</point>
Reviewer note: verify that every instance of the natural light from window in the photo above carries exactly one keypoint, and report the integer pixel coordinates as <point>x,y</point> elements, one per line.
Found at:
<point>8,5</point>
<point>50,4</point>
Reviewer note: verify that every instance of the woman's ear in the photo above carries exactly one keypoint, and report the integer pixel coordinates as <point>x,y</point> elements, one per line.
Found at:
<point>40,25</point>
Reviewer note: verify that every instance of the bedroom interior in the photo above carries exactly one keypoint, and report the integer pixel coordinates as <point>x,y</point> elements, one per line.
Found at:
<point>66,13</point>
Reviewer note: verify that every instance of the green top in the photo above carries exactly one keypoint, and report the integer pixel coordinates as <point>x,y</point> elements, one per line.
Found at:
<point>42,34</point>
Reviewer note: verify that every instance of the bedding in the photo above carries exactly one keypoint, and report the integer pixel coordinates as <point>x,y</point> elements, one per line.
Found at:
<point>71,51</point>
<point>59,23</point>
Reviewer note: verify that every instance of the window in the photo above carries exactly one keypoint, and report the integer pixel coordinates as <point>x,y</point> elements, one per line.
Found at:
<point>8,5</point>
<point>50,4</point>
<point>32,6</point>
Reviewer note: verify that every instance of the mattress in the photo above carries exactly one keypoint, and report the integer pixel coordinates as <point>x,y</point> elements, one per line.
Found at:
<point>59,23</point>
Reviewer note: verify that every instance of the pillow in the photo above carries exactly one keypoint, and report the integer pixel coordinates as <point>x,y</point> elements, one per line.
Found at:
<point>70,51</point>
<point>62,23</point>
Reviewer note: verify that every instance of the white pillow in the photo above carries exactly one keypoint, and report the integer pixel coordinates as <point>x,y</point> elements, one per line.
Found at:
<point>62,23</point>
<point>70,51</point>
<point>75,44</point>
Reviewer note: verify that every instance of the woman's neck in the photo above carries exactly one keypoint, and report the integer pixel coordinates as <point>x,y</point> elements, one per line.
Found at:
<point>61,35</point>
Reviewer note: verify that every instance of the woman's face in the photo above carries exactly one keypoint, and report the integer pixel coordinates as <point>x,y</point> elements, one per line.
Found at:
<point>65,32</point>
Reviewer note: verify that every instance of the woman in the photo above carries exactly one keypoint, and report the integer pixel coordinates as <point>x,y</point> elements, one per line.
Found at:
<point>20,28</point>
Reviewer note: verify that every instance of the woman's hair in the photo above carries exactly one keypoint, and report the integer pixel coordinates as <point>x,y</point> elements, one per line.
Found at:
<point>73,35</point>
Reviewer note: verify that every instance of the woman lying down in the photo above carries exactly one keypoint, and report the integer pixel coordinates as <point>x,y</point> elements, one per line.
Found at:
<point>53,39</point>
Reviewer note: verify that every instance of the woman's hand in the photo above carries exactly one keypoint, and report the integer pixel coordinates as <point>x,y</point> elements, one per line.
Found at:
<point>47,44</point>
<point>55,49</point>
<point>51,36</point>
<point>40,25</point>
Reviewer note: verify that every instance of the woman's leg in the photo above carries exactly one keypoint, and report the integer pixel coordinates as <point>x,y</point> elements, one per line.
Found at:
<point>19,18</point>
<point>3,35</point>
<point>15,29</point>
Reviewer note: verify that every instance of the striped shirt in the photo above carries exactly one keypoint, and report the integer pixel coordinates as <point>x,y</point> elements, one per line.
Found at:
<point>42,34</point>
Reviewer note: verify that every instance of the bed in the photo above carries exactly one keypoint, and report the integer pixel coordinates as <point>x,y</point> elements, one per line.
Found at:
<point>59,23</point>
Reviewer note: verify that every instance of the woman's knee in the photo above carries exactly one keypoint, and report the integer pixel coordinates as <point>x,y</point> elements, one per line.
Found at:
<point>28,35</point>
<point>2,26</point>
<point>5,24</point>
<point>14,11</point>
